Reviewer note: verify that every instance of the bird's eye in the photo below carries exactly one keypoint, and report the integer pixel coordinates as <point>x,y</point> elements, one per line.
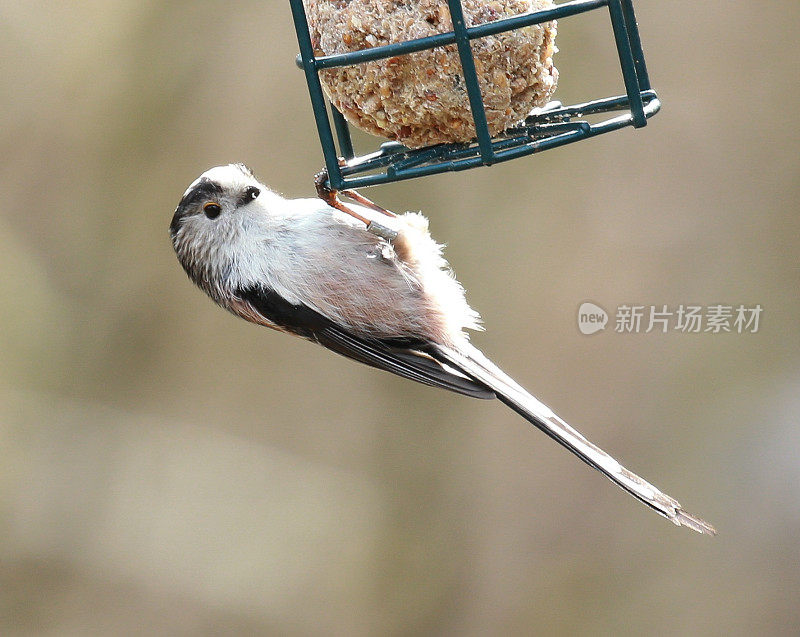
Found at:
<point>252,193</point>
<point>212,210</point>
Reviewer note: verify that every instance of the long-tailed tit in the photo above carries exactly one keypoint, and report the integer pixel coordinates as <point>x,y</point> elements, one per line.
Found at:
<point>302,267</point>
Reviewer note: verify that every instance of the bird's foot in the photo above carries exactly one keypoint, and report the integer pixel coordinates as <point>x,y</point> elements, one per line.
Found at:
<point>331,197</point>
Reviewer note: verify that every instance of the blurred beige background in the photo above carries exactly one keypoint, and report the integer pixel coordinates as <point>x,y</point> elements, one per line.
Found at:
<point>168,469</point>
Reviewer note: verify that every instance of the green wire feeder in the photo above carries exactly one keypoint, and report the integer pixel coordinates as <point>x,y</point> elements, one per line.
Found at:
<point>548,127</point>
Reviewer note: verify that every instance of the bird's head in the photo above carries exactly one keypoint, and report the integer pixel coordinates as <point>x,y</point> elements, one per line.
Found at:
<point>214,199</point>
<point>215,212</point>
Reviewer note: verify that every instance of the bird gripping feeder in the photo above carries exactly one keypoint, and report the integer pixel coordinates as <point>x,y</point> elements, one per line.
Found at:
<point>548,127</point>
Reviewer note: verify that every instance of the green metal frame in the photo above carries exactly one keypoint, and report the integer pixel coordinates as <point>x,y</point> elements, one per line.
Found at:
<point>549,127</point>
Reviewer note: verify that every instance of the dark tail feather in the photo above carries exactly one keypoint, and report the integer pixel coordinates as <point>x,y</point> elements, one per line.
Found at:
<point>472,362</point>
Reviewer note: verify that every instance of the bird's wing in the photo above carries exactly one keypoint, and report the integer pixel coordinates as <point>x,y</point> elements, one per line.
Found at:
<point>475,364</point>
<point>406,358</point>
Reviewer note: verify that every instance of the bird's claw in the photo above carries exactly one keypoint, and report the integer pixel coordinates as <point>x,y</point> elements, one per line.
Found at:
<point>330,197</point>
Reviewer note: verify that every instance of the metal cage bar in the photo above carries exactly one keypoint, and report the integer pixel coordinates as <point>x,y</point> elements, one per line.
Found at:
<point>636,44</point>
<point>625,52</point>
<point>342,133</point>
<point>546,128</point>
<point>315,88</point>
<point>471,80</point>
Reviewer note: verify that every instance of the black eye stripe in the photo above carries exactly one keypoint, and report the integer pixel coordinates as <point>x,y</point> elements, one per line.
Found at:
<point>204,190</point>
<point>250,193</point>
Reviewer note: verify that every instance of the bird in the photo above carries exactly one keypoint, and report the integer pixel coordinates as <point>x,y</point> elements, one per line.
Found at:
<point>388,300</point>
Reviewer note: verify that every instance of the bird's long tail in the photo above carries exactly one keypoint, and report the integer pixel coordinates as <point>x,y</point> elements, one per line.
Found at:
<point>473,362</point>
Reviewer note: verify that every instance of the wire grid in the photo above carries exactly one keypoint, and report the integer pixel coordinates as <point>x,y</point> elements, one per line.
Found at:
<point>549,127</point>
